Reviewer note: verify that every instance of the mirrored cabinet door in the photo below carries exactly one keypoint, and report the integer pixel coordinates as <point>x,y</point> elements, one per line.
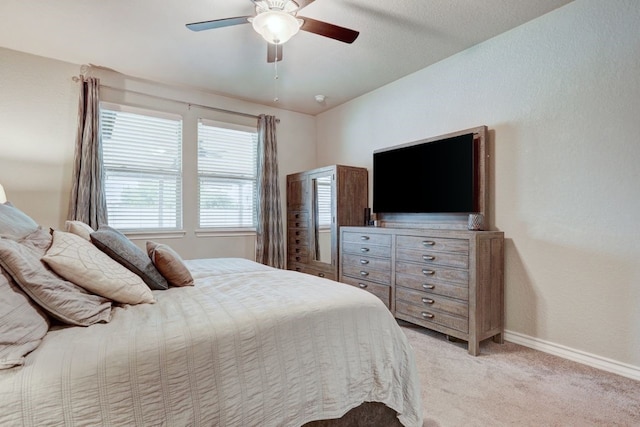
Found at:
<point>322,217</point>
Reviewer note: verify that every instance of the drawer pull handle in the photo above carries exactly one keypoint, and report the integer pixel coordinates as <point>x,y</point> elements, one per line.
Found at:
<point>427,315</point>
<point>321,274</point>
<point>297,224</point>
<point>297,250</point>
<point>428,257</point>
<point>364,273</point>
<point>428,272</point>
<point>427,300</point>
<point>428,243</point>
<point>297,241</point>
<point>297,216</point>
<point>363,285</point>
<point>297,233</point>
<point>364,261</point>
<point>364,249</point>
<point>364,237</point>
<point>428,287</point>
<point>298,258</point>
<point>298,269</point>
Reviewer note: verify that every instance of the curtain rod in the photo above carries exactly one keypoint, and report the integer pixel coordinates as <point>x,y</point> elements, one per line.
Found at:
<point>189,104</point>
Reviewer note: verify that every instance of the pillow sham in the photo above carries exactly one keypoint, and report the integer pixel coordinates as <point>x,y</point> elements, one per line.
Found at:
<point>22,324</point>
<point>60,298</point>
<point>120,248</point>
<point>169,264</point>
<point>15,224</point>
<point>79,228</point>
<point>82,263</point>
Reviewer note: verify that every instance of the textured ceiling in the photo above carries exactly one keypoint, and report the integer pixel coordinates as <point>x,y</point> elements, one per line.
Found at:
<point>148,39</point>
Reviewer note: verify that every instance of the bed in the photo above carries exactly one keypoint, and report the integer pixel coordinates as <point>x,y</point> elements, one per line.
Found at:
<point>246,345</point>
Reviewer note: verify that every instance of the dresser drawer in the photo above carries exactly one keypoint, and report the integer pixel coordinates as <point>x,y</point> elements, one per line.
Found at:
<point>432,286</point>
<point>367,238</point>
<point>426,317</point>
<point>298,216</point>
<point>367,249</point>
<point>381,291</point>
<point>433,302</point>
<point>369,274</point>
<point>432,243</point>
<point>302,268</point>
<point>298,237</point>
<point>428,257</point>
<point>360,261</point>
<point>303,258</point>
<point>434,272</point>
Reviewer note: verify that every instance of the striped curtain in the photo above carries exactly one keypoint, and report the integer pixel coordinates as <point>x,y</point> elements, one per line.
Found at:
<point>88,202</point>
<point>270,236</point>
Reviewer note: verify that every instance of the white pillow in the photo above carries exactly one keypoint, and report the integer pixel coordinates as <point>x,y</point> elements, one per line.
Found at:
<point>79,228</point>
<point>80,262</point>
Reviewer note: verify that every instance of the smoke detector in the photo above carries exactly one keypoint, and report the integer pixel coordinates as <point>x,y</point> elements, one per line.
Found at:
<point>320,99</point>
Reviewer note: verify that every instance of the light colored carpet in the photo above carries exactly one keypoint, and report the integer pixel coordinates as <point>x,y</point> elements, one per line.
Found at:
<point>512,385</point>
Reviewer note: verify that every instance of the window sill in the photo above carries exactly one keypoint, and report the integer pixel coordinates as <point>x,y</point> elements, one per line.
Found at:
<point>227,232</point>
<point>144,235</point>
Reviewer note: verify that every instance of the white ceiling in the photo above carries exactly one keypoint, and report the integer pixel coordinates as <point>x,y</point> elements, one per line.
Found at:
<point>148,39</point>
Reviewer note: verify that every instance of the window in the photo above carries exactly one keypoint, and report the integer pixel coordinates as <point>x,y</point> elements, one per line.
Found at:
<point>227,175</point>
<point>142,156</point>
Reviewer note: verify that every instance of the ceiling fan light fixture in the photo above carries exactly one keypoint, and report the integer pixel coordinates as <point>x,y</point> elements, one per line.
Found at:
<point>276,26</point>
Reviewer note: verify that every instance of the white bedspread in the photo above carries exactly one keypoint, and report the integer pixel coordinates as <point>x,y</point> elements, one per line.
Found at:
<point>246,346</point>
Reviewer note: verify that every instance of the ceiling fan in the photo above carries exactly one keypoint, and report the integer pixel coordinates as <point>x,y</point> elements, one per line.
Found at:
<point>277,21</point>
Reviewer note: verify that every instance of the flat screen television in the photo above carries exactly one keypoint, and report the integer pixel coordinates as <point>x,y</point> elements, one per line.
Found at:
<point>426,177</point>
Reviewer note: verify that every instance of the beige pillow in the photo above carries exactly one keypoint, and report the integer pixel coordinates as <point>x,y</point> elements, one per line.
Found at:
<point>79,228</point>
<point>169,264</point>
<point>80,262</point>
<point>60,298</point>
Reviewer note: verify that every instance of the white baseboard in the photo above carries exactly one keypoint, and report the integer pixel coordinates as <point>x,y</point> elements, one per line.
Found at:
<point>592,360</point>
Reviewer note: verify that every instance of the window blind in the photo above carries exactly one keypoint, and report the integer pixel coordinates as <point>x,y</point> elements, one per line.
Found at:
<point>142,155</point>
<point>324,201</point>
<point>227,175</point>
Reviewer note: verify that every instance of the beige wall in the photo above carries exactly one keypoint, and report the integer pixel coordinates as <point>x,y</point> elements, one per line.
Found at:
<point>38,118</point>
<point>561,96</point>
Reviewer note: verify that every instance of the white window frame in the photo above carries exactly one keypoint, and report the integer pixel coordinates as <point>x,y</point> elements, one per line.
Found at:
<point>175,229</point>
<point>204,230</point>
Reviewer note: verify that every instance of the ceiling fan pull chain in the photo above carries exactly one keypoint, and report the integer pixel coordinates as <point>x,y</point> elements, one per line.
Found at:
<point>276,77</point>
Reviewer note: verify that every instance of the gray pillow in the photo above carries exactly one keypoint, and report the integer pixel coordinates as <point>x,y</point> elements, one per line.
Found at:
<point>15,224</point>
<point>60,298</point>
<point>22,324</point>
<point>120,248</point>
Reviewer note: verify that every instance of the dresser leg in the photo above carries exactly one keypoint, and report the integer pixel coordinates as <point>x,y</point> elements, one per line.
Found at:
<point>498,338</point>
<point>474,347</point>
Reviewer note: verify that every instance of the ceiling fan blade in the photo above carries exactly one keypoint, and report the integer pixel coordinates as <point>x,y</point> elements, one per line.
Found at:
<point>274,52</point>
<point>218,23</point>
<point>303,3</point>
<point>329,30</point>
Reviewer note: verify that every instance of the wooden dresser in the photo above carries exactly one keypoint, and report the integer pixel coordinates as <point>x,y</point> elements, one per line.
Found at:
<point>319,201</point>
<point>450,281</point>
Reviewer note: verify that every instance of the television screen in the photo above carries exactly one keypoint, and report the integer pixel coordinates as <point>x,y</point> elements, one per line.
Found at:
<point>428,177</point>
